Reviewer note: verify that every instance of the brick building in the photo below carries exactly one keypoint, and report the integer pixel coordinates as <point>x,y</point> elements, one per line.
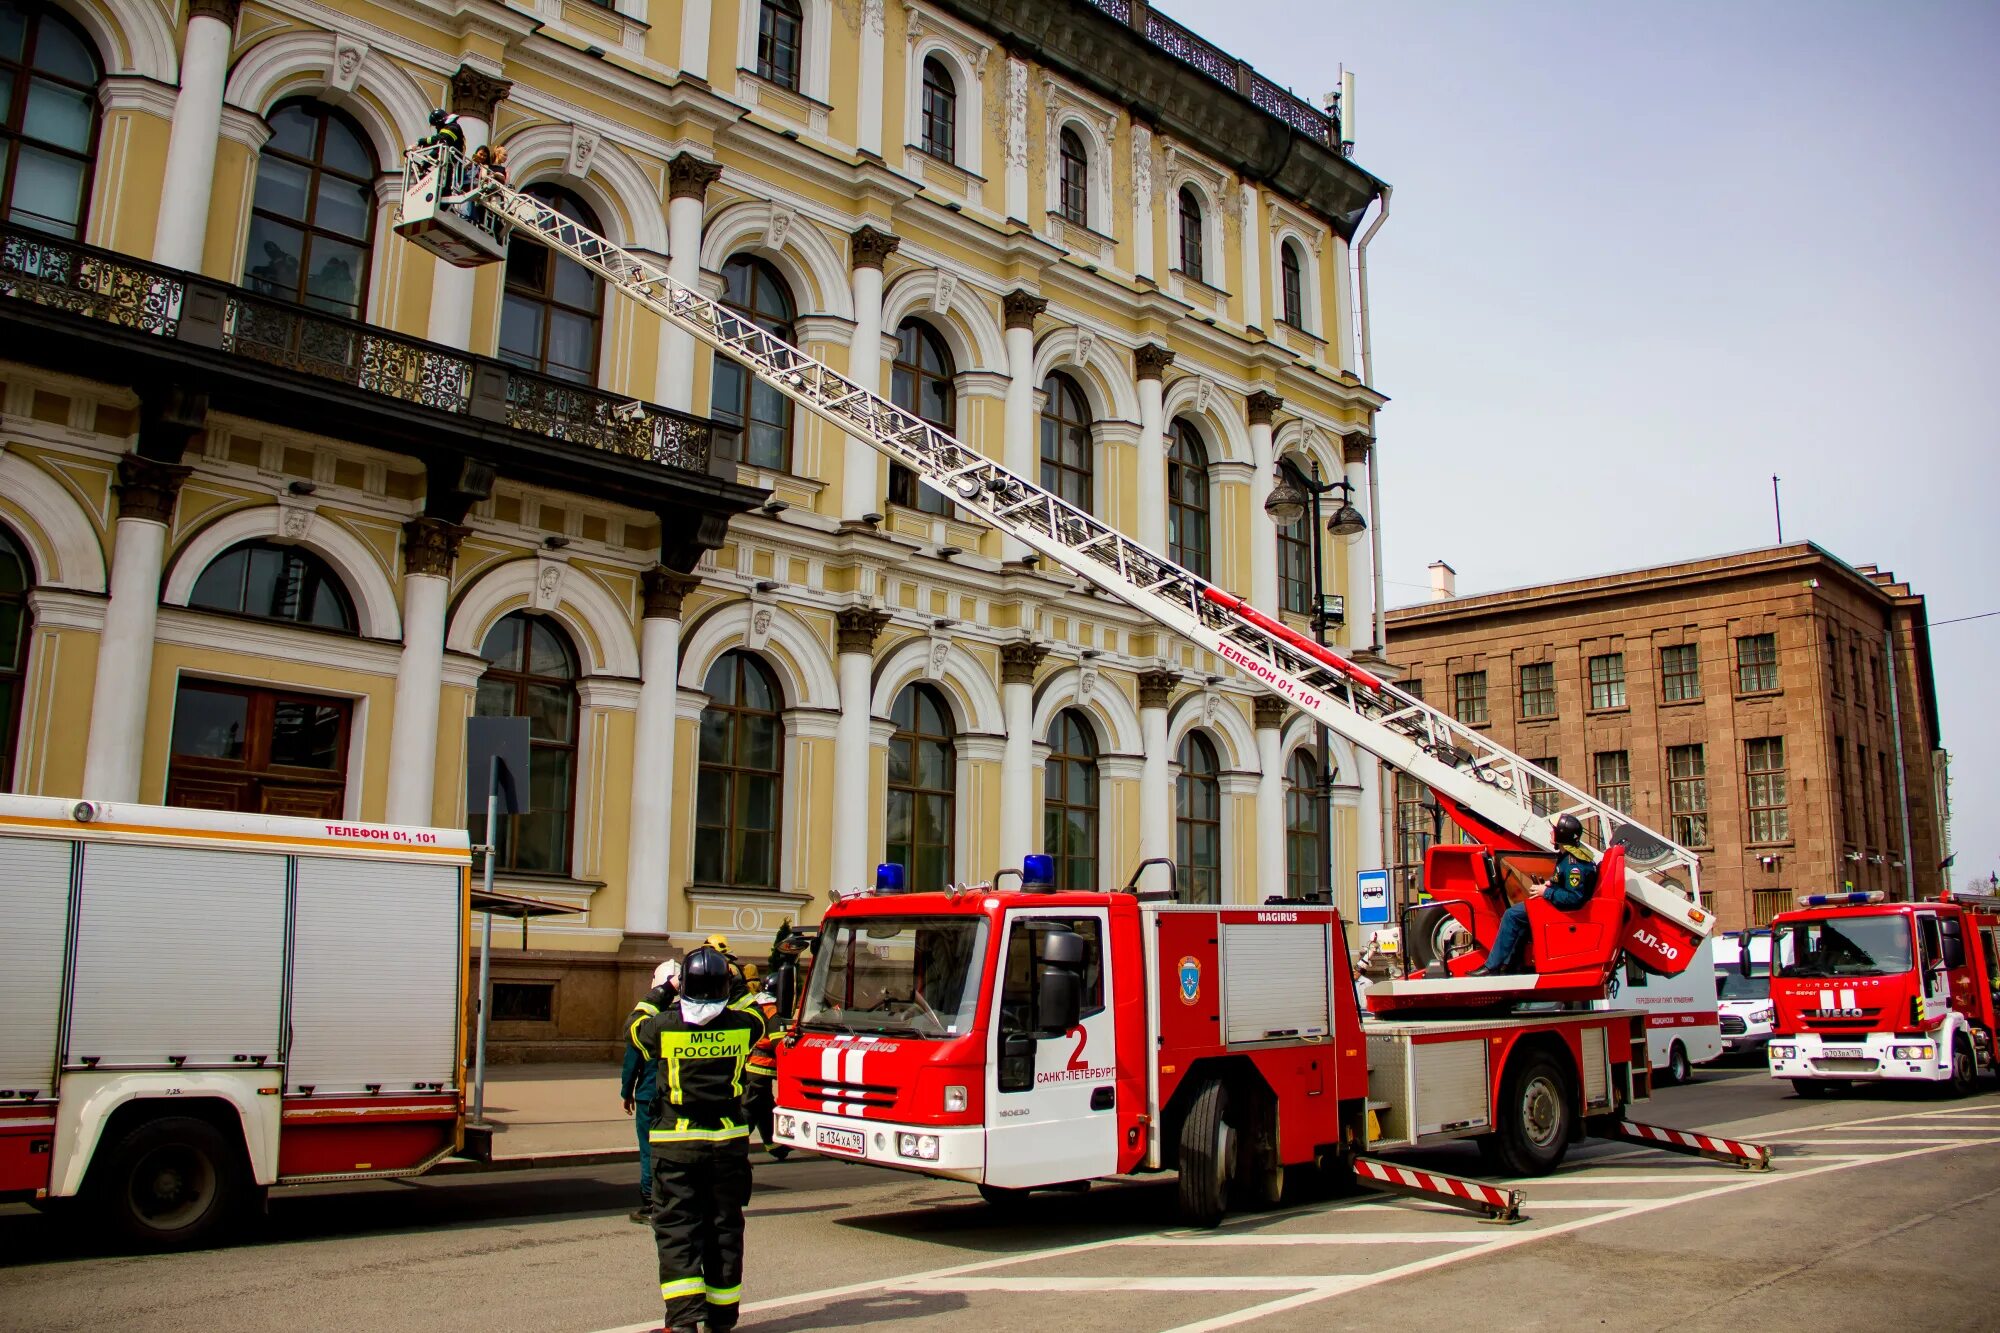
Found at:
<point>1773,709</point>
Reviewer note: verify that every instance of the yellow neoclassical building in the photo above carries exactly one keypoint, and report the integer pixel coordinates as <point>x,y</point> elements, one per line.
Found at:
<point>284,500</point>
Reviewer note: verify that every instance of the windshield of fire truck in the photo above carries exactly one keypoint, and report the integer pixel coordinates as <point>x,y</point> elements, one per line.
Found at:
<point>1851,946</point>
<point>914,976</point>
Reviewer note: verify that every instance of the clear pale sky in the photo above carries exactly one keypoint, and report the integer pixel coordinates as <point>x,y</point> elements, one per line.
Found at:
<point>1641,257</point>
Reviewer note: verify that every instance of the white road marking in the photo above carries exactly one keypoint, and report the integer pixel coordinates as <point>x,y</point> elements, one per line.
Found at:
<point>1911,1141</point>
<point>1325,1238</point>
<point>1329,1285</point>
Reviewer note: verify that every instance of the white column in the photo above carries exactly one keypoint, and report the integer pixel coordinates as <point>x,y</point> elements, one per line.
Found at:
<point>117,743</point>
<point>190,166</point>
<point>1151,528</point>
<point>694,38</point>
<point>868,134</point>
<point>1016,184</point>
<point>653,754</point>
<point>1156,792</point>
<point>1018,422</point>
<point>1018,803</point>
<point>859,474</point>
<point>1270,801</point>
<point>1142,202</point>
<point>430,546</point>
<point>688,179</point>
<point>1253,257</point>
<point>847,856</point>
<point>451,286</point>
<point>1263,533</point>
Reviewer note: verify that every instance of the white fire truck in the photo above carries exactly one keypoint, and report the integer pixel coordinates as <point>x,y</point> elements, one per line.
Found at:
<point>200,1005</point>
<point>1025,1038</point>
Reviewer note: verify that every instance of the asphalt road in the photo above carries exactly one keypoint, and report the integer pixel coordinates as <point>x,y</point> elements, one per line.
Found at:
<point>1881,1213</point>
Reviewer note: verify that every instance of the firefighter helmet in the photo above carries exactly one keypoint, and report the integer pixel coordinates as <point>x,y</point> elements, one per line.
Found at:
<point>705,977</point>
<point>1568,831</point>
<point>719,943</point>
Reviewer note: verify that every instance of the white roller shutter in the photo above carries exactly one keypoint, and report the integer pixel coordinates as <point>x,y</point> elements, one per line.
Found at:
<point>1274,982</point>
<point>375,958</point>
<point>34,902</point>
<point>179,952</point>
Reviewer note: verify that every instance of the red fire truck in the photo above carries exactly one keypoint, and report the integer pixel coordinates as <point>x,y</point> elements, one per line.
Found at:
<point>1867,990</point>
<point>200,1005</point>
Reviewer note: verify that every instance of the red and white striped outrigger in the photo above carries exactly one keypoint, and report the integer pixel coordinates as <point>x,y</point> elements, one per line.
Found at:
<point>1489,1201</point>
<point>1731,1152</point>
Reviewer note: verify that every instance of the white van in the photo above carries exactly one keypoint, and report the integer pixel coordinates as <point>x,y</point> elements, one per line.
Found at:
<point>1745,1002</point>
<point>1683,1027</point>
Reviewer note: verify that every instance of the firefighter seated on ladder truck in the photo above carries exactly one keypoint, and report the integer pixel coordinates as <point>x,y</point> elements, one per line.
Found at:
<point>1567,888</point>
<point>701,1142</point>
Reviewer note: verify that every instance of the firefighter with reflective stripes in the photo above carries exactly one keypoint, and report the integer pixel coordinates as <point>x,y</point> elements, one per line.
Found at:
<point>635,1083</point>
<point>1567,888</point>
<point>760,1091</point>
<point>701,1142</point>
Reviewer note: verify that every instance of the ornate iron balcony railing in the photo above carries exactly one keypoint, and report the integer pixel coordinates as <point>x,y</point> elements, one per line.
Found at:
<point>133,294</point>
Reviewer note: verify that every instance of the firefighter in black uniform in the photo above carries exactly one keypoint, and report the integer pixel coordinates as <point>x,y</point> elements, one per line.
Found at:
<point>701,1142</point>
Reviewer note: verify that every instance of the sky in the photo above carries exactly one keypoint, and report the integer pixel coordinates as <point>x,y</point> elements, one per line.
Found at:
<point>1643,256</point>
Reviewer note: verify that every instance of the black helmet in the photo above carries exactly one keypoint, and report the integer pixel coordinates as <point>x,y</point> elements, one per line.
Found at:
<point>439,116</point>
<point>705,977</point>
<point>1568,831</point>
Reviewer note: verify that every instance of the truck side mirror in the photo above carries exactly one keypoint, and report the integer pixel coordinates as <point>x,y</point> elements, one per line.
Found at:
<point>1743,942</point>
<point>1954,945</point>
<point>1058,1000</point>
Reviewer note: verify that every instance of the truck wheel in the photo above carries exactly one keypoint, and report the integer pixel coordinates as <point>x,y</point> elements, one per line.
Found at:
<point>1964,1069</point>
<point>1208,1156</point>
<point>170,1184</point>
<point>1537,1115</point>
<point>1679,1070</point>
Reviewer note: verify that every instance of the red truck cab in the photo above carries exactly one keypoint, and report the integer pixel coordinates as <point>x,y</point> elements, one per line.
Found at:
<point>1867,990</point>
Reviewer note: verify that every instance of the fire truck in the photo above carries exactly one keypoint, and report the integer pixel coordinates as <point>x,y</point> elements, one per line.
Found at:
<point>1022,1037</point>
<point>1867,990</point>
<point>200,1005</point>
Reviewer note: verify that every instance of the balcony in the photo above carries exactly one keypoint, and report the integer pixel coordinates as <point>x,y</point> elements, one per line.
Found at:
<point>114,314</point>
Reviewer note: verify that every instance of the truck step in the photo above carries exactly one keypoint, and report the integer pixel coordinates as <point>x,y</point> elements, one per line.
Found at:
<point>1489,1201</point>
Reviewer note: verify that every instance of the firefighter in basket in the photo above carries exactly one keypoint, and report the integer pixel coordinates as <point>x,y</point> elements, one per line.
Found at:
<point>1568,887</point>
<point>701,1143</point>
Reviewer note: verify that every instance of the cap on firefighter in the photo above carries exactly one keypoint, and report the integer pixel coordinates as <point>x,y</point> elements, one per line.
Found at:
<point>1568,831</point>
<point>705,977</point>
<point>669,971</point>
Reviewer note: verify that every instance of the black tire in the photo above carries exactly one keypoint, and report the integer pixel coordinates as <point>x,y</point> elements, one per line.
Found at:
<point>1964,1070</point>
<point>1679,1068</point>
<point>1208,1157</point>
<point>176,1183</point>
<point>1537,1116</point>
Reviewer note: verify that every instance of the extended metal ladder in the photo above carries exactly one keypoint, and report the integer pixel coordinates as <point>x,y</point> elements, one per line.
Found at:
<point>1492,783</point>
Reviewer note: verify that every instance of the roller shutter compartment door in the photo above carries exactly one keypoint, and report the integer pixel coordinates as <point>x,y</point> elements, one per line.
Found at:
<point>180,952</point>
<point>34,898</point>
<point>1274,982</point>
<point>376,949</point>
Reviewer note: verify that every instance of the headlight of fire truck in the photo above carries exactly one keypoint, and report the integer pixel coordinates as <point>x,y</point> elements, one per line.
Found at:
<point>922,1147</point>
<point>1782,1052</point>
<point>1923,1052</point>
<point>954,1097</point>
<point>786,1126</point>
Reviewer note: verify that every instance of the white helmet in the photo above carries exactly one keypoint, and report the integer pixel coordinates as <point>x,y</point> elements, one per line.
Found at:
<point>667,973</point>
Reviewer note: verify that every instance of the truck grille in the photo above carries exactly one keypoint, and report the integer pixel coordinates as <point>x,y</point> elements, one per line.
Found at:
<point>875,1096</point>
<point>1862,1020</point>
<point>1733,1025</point>
<point>1829,1065</point>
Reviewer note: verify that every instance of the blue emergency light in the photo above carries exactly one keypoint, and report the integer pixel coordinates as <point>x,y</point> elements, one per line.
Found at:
<point>1038,871</point>
<point>1855,899</point>
<point>889,878</point>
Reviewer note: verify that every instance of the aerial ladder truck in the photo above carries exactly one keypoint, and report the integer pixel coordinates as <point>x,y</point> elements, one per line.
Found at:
<point>1028,1038</point>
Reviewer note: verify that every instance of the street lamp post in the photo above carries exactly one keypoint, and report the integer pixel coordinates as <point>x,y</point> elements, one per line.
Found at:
<point>1293,495</point>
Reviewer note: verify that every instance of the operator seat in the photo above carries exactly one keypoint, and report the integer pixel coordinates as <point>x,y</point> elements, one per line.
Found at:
<point>1587,936</point>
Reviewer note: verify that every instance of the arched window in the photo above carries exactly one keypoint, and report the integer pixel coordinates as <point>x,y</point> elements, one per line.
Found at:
<point>1190,208</point>
<point>756,414</point>
<point>1198,821</point>
<point>1066,451</point>
<point>921,382</point>
<point>1074,180</point>
<point>1295,590</point>
<point>549,320</point>
<point>923,772</point>
<point>1302,850</point>
<point>49,74</point>
<point>531,673</point>
<point>1292,284</point>
<point>1069,801</point>
<point>16,620</point>
<point>780,35</point>
<point>940,111</point>
<point>314,213</point>
<point>1188,539</point>
<point>739,778</point>
<point>273,582</point>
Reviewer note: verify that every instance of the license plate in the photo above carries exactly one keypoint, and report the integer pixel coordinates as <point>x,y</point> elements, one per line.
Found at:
<point>1842,1052</point>
<point>845,1140</point>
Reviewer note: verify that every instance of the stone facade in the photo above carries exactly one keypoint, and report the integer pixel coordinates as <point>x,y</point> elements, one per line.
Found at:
<point>1787,644</point>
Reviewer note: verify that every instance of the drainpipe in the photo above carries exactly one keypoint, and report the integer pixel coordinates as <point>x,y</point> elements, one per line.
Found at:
<point>1365,354</point>
<point>1902,779</point>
